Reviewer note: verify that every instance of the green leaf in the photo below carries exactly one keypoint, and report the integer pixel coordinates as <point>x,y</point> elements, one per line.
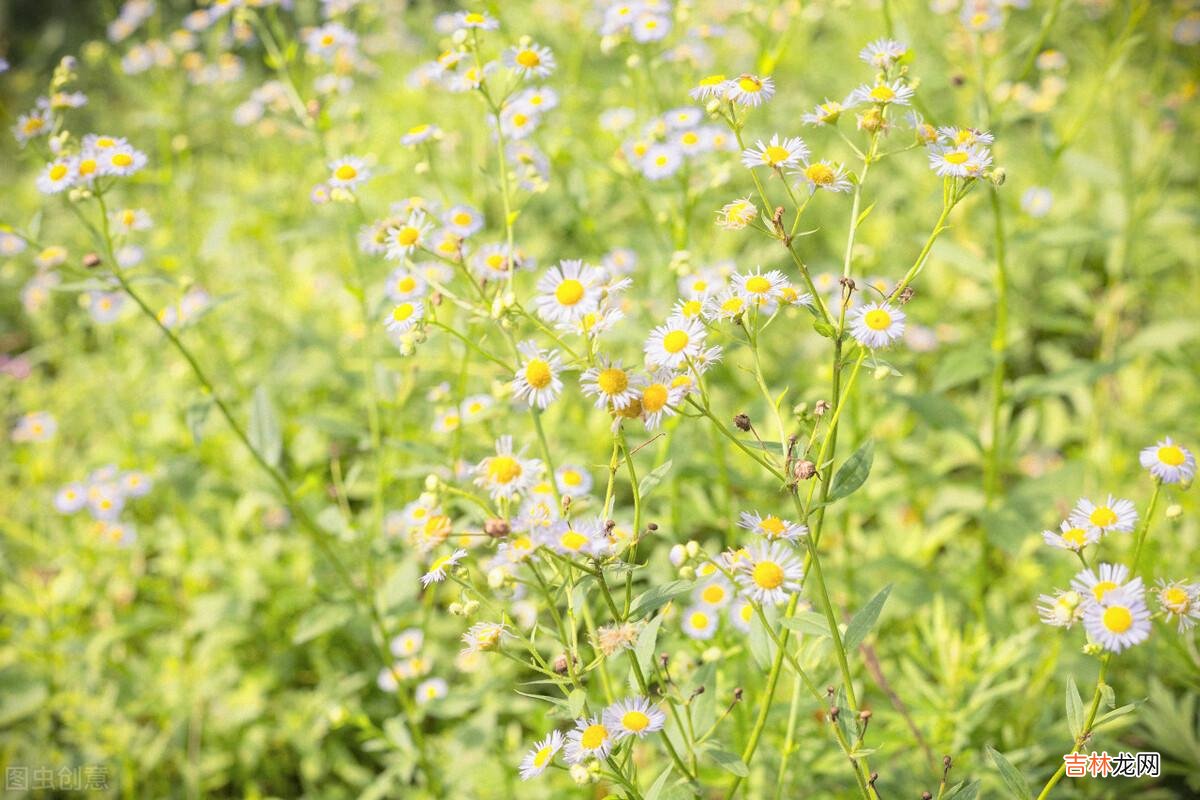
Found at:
<point>659,783</point>
<point>659,596</point>
<point>644,649</point>
<point>729,762</point>
<point>962,365</point>
<point>809,622</point>
<point>22,703</point>
<point>865,619</point>
<point>197,414</point>
<point>963,791</point>
<point>1074,708</point>
<point>1013,779</point>
<point>575,702</point>
<point>653,478</point>
<point>264,433</point>
<point>319,620</point>
<point>853,473</point>
<point>824,328</point>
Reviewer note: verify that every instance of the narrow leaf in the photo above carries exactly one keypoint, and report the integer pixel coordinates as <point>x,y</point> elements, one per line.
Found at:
<point>1013,779</point>
<point>653,478</point>
<point>865,619</point>
<point>729,762</point>
<point>264,431</point>
<point>1074,708</point>
<point>854,472</point>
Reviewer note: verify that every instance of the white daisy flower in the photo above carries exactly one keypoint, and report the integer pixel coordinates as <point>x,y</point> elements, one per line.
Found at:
<point>536,380</point>
<point>881,93</point>
<point>758,289</point>
<point>1061,609</point>
<point>507,473</point>
<point>429,690</point>
<point>418,134</point>
<point>883,53</point>
<point>105,501</point>
<point>135,484</point>
<point>477,20</point>
<point>1169,462</point>
<point>56,177</point>
<point>1111,515</point>
<point>121,161</point>
<point>877,325</point>
<point>30,126</point>
<point>751,90</point>
<point>568,291</point>
<point>716,592</point>
<point>475,406</point>
<point>650,28</point>
<point>709,88</point>
<point>530,60</point>
<point>741,615</point>
<point>737,214</point>
<point>725,304</point>
<point>776,154</point>
<point>463,220</point>
<point>403,284</point>
<point>576,537</point>
<point>658,398</point>
<point>537,100</point>
<point>1119,621</point>
<point>70,498</point>
<point>1180,599</point>
<point>1071,536</point>
<point>447,421</point>
<point>963,137</point>
<point>620,261</point>
<point>127,220</point>
<point>824,175</point>
<point>1094,586</point>
<point>483,637</point>
<point>387,680</point>
<point>441,566</point>
<point>770,573</point>
<point>539,758</point>
<point>590,739</point>
<point>661,161</point>
<point>826,113</point>
<point>404,316</point>
<point>771,527</point>
<point>328,39</point>
<point>348,172</point>
<point>611,385</point>
<point>407,236</point>
<point>634,716</point>
<point>1037,201</point>
<point>517,122</point>
<point>958,162</point>
<point>407,643</point>
<point>672,344</point>
<point>572,481</point>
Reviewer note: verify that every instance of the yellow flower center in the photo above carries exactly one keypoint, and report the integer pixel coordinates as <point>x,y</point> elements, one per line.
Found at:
<point>537,374</point>
<point>439,563</point>
<point>675,341</point>
<point>474,18</point>
<point>572,478</point>
<point>122,160</point>
<point>654,397</point>
<point>528,58</point>
<point>593,736</point>
<point>58,172</point>
<point>1175,597</point>
<point>774,154</point>
<point>345,172</point>
<point>634,721</point>
<point>1102,588</point>
<point>691,137</point>
<point>569,292</point>
<point>681,381</point>
<point>87,166</point>
<point>732,305</point>
<point>573,540</point>
<point>713,593</point>
<point>768,575</point>
<point>1103,516</point>
<point>1118,619</point>
<point>612,381</point>
<point>957,157</point>
<point>772,526</point>
<point>748,83</point>
<point>407,236</point>
<point>402,312</point>
<point>417,130</point>
<point>698,620</point>
<point>882,93</point>
<point>821,174</point>
<point>877,319</point>
<point>105,142</point>
<point>712,80</point>
<point>542,756</point>
<point>496,262</point>
<point>1171,455</point>
<point>462,219</point>
<point>406,284</point>
<point>33,125</point>
<point>503,469</point>
<point>758,285</point>
<point>1076,537</point>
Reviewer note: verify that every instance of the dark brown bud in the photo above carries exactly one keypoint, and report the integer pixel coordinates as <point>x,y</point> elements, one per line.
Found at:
<point>926,796</point>
<point>947,761</point>
<point>864,715</point>
<point>848,284</point>
<point>664,659</point>
<point>805,469</point>
<point>906,294</point>
<point>496,528</point>
<point>737,695</point>
<point>652,526</point>
<point>609,525</point>
<point>820,407</point>
<point>833,713</point>
<point>699,690</point>
<point>566,502</point>
<point>91,261</point>
<point>874,777</point>
<point>742,422</point>
<point>560,664</point>
<point>957,80</point>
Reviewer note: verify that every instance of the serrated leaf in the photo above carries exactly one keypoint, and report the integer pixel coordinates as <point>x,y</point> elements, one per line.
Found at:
<point>852,474</point>
<point>729,762</point>
<point>1074,708</point>
<point>1013,780</point>
<point>862,623</point>
<point>264,433</point>
<point>653,478</point>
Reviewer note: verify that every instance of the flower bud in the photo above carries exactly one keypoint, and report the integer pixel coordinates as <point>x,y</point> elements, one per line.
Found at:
<point>693,549</point>
<point>678,554</point>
